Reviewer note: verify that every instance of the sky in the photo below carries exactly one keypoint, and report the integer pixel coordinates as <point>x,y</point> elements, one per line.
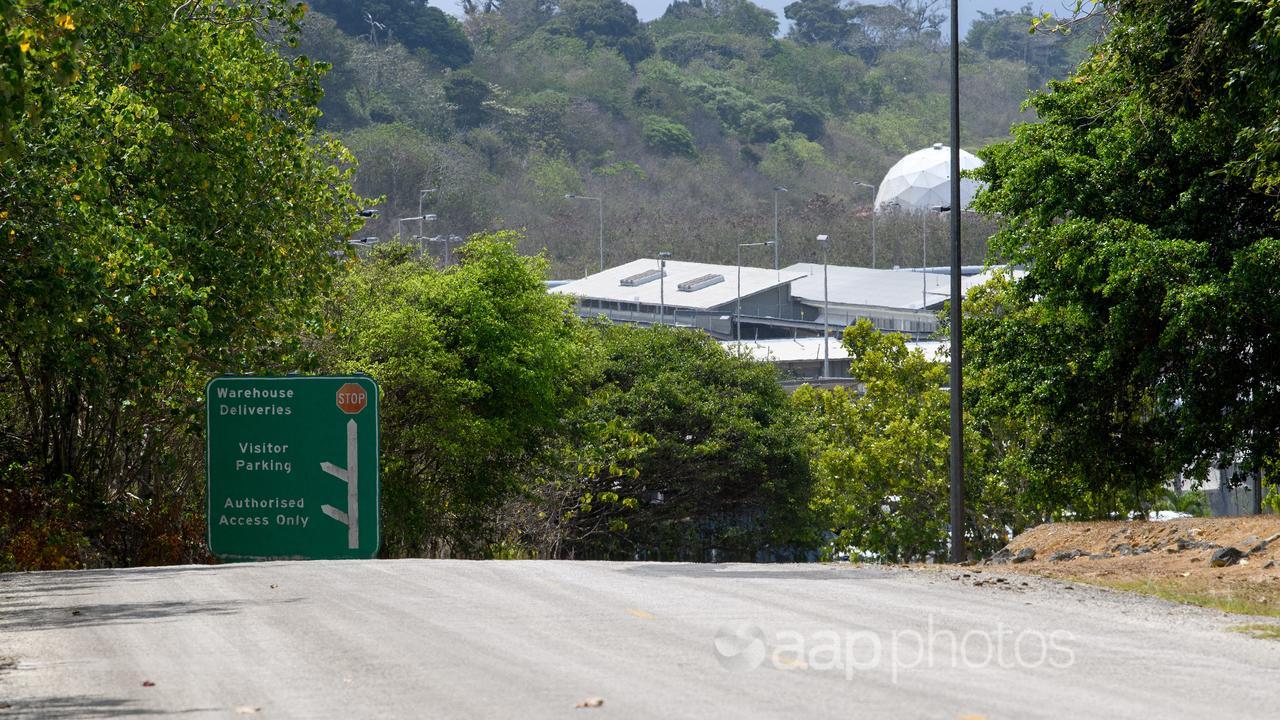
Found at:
<point>650,9</point>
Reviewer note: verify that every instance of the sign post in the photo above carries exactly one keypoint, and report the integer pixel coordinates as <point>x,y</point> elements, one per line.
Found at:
<point>292,467</point>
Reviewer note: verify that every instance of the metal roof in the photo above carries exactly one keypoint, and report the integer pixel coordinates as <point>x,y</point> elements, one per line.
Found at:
<point>607,285</point>
<point>810,348</point>
<point>868,287</point>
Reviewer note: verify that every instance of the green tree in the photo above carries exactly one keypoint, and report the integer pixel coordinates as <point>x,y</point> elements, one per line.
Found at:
<point>818,21</point>
<point>880,456</point>
<point>669,138</point>
<point>467,94</point>
<point>413,23</point>
<point>709,454</point>
<point>171,215</point>
<point>478,365</point>
<point>611,23</point>
<point>1139,342</point>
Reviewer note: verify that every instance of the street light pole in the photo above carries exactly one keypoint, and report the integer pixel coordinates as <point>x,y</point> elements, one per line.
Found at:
<point>421,195</point>
<point>924,259</point>
<point>400,227</point>
<point>957,345</point>
<point>737,312</point>
<point>777,189</point>
<point>874,191</point>
<point>826,313</point>
<point>662,287</point>
<point>600,201</point>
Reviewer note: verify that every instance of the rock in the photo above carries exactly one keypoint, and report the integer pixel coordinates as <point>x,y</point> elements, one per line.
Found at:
<point>1101,556</point>
<point>1064,556</point>
<point>1001,557</point>
<point>1259,547</point>
<point>1270,564</point>
<point>1024,555</point>
<point>1225,557</point>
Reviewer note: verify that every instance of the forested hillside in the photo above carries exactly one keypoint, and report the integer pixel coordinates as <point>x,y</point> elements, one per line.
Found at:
<point>683,125</point>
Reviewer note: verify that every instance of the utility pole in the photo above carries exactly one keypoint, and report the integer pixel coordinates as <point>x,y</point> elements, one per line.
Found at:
<point>957,361</point>
<point>662,287</point>
<point>826,313</point>
<point>737,312</point>
<point>600,201</point>
<point>874,192</point>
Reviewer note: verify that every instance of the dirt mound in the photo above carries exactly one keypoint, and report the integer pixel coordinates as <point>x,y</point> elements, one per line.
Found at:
<point>1232,563</point>
<point>1119,538</point>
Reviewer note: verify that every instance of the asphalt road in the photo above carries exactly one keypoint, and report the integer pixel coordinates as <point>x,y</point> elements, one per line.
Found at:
<point>456,639</point>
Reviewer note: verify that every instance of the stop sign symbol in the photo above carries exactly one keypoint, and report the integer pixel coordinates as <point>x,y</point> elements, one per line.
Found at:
<point>352,398</point>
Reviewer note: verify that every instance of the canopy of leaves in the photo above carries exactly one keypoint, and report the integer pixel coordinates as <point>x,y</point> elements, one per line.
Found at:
<point>669,138</point>
<point>413,23</point>
<point>1141,337</point>
<point>170,214</point>
<point>718,459</point>
<point>477,365</point>
<point>612,23</point>
<point>562,108</point>
<point>880,456</point>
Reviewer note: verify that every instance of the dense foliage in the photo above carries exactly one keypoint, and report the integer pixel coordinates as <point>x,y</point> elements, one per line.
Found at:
<point>477,366</point>
<point>167,214</point>
<point>1143,206</point>
<point>510,427</point>
<point>720,471</point>
<point>683,124</point>
<point>880,458</point>
<point>172,209</point>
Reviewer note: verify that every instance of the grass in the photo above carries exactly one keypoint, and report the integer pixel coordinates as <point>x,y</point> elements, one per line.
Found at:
<point>1264,601</point>
<point>1262,631</point>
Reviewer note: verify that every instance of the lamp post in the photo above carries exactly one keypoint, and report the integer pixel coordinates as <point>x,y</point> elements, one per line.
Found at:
<point>422,194</point>
<point>600,201</point>
<point>924,251</point>
<point>400,226</point>
<point>417,238</point>
<point>924,259</point>
<point>737,312</point>
<point>874,191</point>
<point>662,287</point>
<point>957,553</point>
<point>826,313</point>
<point>776,189</point>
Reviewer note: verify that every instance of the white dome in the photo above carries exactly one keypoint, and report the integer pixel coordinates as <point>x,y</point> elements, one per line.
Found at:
<point>921,180</point>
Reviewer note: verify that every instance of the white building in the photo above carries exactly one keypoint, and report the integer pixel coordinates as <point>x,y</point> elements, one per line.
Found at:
<point>694,294</point>
<point>905,301</point>
<point>804,357</point>
<point>787,303</point>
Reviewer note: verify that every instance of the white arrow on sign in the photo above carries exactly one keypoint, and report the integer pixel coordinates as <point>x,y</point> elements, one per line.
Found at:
<point>350,518</point>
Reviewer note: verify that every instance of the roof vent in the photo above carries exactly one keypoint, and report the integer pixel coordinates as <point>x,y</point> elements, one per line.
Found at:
<point>642,278</point>
<point>937,146</point>
<point>700,282</point>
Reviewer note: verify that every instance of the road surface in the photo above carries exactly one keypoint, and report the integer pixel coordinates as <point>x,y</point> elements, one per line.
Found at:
<point>457,639</point>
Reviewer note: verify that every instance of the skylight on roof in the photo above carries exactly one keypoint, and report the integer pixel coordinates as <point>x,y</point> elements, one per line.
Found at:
<point>702,281</point>
<point>642,277</point>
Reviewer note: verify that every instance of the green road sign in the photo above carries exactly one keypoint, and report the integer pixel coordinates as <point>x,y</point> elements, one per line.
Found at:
<point>292,466</point>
